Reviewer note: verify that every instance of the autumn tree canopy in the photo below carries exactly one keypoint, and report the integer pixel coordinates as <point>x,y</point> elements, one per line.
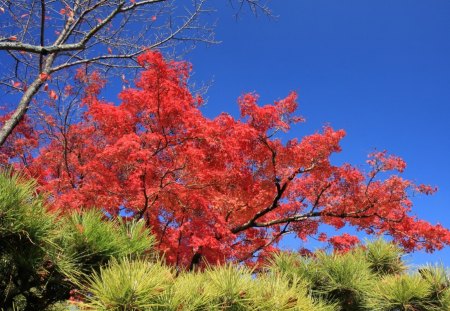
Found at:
<point>213,189</point>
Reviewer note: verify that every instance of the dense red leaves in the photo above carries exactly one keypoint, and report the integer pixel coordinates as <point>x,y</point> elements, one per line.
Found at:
<point>277,116</point>
<point>343,242</point>
<point>44,76</point>
<point>222,188</point>
<point>20,145</point>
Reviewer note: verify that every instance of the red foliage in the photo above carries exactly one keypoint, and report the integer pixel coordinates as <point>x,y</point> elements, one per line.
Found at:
<point>344,242</point>
<point>18,149</point>
<point>223,188</point>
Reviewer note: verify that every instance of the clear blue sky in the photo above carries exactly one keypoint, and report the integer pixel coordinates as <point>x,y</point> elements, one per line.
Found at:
<point>378,69</point>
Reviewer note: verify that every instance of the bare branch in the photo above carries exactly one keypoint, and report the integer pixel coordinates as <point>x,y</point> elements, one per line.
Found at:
<point>43,50</point>
<point>61,35</point>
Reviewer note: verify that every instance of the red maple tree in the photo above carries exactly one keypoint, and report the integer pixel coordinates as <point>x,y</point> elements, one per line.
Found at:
<point>217,189</point>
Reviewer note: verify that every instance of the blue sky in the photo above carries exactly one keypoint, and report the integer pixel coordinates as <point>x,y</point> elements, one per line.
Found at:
<point>378,69</point>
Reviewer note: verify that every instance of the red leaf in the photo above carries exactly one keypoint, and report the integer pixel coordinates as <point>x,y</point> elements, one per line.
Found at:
<point>79,228</point>
<point>44,76</point>
<point>68,89</point>
<point>53,95</point>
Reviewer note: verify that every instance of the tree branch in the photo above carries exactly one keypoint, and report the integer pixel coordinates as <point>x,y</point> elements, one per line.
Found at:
<point>280,191</point>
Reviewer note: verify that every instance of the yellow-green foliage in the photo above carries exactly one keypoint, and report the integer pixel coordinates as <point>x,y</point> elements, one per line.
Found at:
<point>122,286</point>
<point>384,257</point>
<point>400,292</point>
<point>127,285</point>
<point>30,259</point>
<point>427,289</point>
<point>42,252</point>
<point>189,292</point>
<point>25,224</point>
<point>370,278</point>
<point>344,278</point>
<point>279,293</point>
<point>92,239</point>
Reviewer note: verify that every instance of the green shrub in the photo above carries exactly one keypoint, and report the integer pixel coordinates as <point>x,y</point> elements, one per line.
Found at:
<point>92,239</point>
<point>400,292</point>
<point>31,263</point>
<point>384,257</point>
<point>343,278</point>
<point>43,256</point>
<point>127,285</point>
<point>189,292</point>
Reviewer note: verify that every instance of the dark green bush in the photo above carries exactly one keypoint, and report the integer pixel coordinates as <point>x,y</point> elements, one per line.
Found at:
<point>43,255</point>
